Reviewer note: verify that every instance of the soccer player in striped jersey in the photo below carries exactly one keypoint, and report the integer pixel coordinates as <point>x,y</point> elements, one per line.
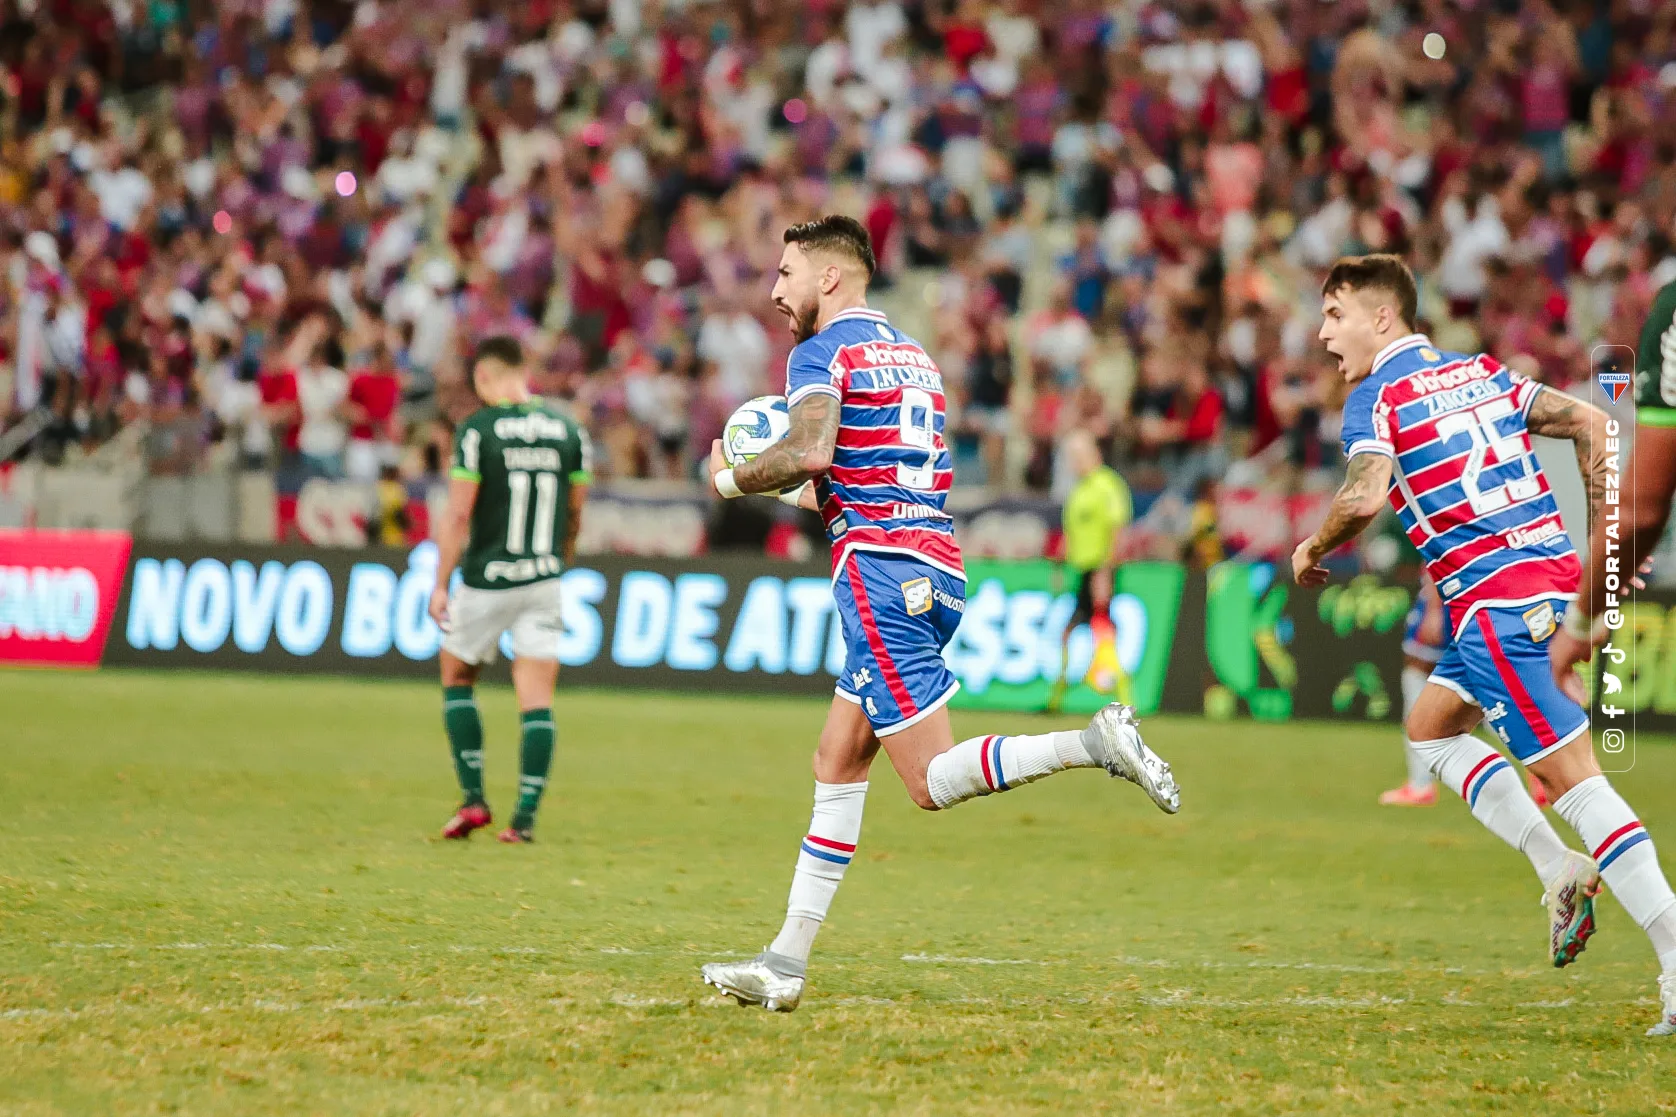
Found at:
<point>1446,438</point>
<point>865,450</point>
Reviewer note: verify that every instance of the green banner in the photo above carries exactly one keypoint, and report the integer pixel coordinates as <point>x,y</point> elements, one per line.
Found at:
<point>1008,655</point>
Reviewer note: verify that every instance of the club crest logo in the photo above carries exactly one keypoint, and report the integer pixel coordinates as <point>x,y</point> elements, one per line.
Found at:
<point>1613,383</point>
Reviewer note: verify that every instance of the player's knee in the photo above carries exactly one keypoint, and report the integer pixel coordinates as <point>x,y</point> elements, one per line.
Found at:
<point>919,792</point>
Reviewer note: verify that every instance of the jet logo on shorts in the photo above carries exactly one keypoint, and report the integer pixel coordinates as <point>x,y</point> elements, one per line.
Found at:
<point>1496,712</point>
<point>861,678</point>
<point>1541,621</point>
<point>916,595</point>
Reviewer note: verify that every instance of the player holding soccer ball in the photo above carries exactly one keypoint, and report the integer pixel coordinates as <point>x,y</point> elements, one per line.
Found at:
<point>1446,438</point>
<point>867,429</point>
<point>515,496</point>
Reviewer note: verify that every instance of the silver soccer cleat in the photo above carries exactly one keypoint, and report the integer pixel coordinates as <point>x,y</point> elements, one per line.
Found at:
<point>1114,739</point>
<point>1667,1001</point>
<point>771,980</point>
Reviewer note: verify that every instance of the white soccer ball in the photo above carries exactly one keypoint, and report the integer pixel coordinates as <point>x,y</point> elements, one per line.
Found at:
<point>754,427</point>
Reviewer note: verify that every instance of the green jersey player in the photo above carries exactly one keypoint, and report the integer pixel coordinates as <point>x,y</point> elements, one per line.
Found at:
<point>515,495</point>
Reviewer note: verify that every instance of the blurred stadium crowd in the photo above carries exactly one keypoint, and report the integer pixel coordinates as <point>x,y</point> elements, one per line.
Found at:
<point>262,234</point>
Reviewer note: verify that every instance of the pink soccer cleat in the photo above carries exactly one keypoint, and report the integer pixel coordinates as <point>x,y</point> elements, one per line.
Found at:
<point>1409,796</point>
<point>473,816</point>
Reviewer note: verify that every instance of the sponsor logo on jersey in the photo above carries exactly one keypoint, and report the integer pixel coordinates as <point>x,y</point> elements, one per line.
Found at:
<point>523,569</point>
<point>1429,382</point>
<point>1430,355</point>
<point>532,426</point>
<point>1453,585</point>
<point>1540,620</point>
<point>949,601</point>
<point>1613,382</point>
<point>916,512</point>
<point>1534,534</point>
<point>916,595</point>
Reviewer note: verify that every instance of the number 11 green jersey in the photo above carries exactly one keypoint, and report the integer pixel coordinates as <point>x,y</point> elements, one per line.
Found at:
<point>524,457</point>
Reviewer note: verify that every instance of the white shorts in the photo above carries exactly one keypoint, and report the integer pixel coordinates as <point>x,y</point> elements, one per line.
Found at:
<point>477,618</point>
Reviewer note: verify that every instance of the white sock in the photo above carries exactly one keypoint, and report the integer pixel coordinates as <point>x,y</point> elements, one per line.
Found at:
<point>1419,773</point>
<point>1496,796</point>
<point>834,829</point>
<point>1622,848</point>
<point>983,765</point>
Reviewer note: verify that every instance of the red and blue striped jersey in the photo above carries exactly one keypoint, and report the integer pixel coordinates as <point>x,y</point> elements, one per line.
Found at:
<point>891,472</point>
<point>1466,486</point>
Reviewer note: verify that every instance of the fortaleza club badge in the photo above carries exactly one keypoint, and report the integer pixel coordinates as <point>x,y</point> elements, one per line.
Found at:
<point>1613,382</point>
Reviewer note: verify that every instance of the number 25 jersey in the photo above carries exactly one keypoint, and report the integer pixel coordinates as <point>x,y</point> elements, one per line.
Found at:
<point>891,471</point>
<point>1466,485</point>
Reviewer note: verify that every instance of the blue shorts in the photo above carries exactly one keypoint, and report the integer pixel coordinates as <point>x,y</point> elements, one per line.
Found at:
<point>1500,661</point>
<point>898,614</point>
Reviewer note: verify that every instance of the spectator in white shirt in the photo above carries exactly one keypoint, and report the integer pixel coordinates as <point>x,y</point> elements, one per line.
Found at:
<point>737,344</point>
<point>321,392</point>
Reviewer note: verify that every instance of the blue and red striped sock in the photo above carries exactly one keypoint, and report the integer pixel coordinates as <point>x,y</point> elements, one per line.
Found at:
<point>826,851</point>
<point>1496,796</point>
<point>1624,852</point>
<point>985,765</point>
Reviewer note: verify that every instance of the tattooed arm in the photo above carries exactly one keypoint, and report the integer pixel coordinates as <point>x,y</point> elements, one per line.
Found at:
<point>1355,505</point>
<point>804,454</point>
<point>1557,415</point>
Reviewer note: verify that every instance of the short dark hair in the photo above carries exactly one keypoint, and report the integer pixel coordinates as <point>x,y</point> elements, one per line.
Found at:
<point>1379,271</point>
<point>502,348</point>
<point>836,233</point>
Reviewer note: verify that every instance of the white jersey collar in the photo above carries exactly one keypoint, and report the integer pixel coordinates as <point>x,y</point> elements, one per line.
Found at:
<point>1401,345</point>
<point>864,313</point>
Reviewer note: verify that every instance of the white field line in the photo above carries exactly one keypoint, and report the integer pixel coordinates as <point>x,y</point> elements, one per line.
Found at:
<point>1167,998</point>
<point>1127,961</point>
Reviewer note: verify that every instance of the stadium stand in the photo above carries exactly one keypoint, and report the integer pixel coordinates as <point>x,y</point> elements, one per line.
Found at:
<point>245,244</point>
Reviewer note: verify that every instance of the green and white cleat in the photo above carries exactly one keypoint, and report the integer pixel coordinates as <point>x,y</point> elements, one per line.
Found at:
<point>1571,907</point>
<point>1114,739</point>
<point>770,980</point>
<point>1667,1000</point>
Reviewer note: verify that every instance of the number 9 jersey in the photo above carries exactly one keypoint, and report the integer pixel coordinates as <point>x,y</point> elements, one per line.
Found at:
<point>891,472</point>
<point>1466,484</point>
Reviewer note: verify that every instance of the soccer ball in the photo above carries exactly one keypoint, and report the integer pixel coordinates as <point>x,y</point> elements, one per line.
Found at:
<point>754,427</point>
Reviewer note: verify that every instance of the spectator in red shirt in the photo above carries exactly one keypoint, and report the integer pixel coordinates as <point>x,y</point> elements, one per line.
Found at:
<point>375,393</point>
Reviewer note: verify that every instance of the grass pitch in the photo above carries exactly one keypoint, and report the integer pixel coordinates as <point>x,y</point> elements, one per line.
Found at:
<point>223,895</point>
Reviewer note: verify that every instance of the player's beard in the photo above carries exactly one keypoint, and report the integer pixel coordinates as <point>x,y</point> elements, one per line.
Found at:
<point>803,321</point>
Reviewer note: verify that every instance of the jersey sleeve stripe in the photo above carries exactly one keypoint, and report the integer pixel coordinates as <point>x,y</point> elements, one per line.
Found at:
<point>812,389</point>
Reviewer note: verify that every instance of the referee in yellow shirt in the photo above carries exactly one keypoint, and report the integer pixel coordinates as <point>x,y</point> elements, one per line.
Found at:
<point>1097,509</point>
